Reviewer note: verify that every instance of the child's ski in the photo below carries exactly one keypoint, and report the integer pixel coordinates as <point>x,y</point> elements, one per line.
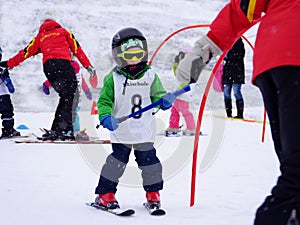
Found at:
<point>154,211</point>
<point>117,212</point>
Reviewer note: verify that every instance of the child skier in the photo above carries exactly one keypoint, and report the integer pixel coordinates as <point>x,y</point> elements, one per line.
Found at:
<point>181,105</point>
<point>82,86</point>
<point>6,107</point>
<point>130,86</point>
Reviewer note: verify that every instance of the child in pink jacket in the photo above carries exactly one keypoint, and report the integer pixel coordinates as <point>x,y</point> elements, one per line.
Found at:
<point>180,106</point>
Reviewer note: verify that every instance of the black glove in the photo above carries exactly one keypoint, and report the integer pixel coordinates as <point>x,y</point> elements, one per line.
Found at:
<point>179,57</point>
<point>91,70</point>
<point>4,74</point>
<point>3,64</point>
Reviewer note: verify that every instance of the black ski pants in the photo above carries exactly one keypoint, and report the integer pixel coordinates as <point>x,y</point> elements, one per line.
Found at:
<point>114,167</point>
<point>7,112</point>
<point>62,77</point>
<point>280,88</point>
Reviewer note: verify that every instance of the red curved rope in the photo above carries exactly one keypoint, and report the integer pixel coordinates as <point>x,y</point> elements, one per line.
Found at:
<point>197,134</point>
<point>203,102</point>
<point>173,34</point>
<point>199,121</point>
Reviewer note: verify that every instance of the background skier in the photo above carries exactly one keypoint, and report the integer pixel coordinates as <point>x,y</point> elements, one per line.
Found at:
<point>6,106</point>
<point>57,46</point>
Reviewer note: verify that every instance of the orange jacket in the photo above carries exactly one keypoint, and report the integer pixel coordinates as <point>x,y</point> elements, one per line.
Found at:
<point>54,42</point>
<point>278,36</point>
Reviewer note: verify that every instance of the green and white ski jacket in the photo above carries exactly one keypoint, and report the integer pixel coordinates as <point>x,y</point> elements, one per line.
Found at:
<point>139,92</point>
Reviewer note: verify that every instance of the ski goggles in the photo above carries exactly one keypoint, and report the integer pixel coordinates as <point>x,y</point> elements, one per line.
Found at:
<point>133,55</point>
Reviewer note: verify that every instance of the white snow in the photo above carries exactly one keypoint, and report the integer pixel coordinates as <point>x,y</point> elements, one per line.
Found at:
<point>49,184</point>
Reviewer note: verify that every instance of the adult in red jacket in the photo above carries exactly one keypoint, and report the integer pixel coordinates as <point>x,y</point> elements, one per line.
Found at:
<point>276,71</point>
<point>57,46</point>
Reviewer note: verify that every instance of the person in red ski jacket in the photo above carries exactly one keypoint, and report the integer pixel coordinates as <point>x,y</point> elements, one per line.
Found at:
<point>57,45</point>
<point>276,71</point>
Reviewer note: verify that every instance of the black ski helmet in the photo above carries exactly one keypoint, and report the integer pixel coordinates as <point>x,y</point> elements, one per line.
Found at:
<point>124,35</point>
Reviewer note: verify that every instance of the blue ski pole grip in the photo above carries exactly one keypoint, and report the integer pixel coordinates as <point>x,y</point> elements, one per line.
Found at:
<point>182,90</point>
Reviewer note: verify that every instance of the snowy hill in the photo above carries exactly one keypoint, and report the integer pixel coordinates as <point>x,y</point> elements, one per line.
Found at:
<point>93,25</point>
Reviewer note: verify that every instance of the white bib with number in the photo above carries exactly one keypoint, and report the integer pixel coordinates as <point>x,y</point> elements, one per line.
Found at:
<point>140,128</point>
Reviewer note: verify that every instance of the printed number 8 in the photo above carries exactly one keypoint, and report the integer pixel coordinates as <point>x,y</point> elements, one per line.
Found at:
<point>136,101</point>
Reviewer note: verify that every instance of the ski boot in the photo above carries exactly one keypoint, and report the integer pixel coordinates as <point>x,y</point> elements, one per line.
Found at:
<point>188,132</point>
<point>82,135</point>
<point>10,133</point>
<point>153,199</point>
<point>69,135</point>
<point>49,135</point>
<point>172,132</point>
<point>107,200</point>
<point>15,133</point>
<point>276,211</point>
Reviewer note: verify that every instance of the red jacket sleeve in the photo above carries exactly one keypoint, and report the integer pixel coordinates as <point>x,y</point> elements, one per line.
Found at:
<point>30,50</point>
<point>77,50</point>
<point>234,19</point>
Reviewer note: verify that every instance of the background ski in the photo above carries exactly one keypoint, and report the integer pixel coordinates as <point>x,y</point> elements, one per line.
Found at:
<point>14,137</point>
<point>117,212</point>
<point>155,211</point>
<point>37,141</point>
<point>179,134</point>
<point>96,139</point>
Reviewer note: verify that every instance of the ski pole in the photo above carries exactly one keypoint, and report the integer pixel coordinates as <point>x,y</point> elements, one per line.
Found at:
<point>152,105</point>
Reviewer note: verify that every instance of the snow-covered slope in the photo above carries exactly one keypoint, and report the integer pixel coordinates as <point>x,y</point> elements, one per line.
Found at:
<point>46,184</point>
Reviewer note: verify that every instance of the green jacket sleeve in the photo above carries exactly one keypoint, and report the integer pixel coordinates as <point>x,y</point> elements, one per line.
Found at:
<point>105,102</point>
<point>157,89</point>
